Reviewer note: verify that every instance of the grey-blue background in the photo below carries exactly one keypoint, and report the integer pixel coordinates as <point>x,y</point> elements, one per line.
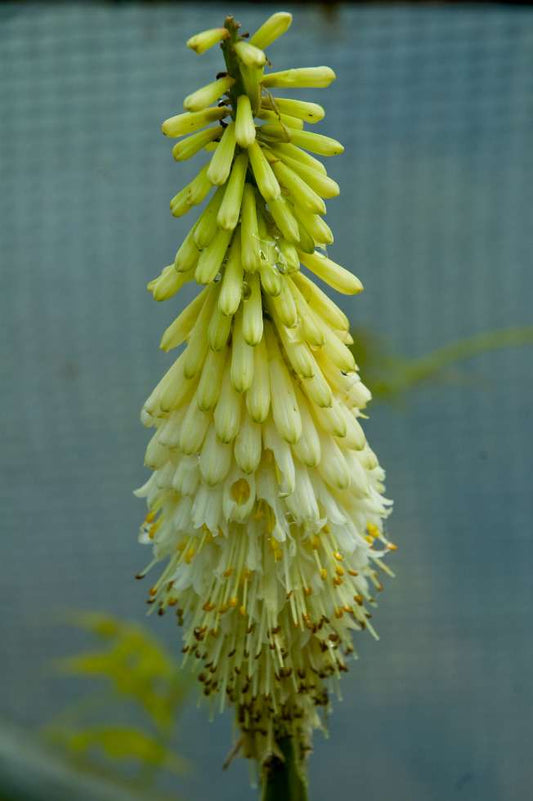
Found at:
<point>435,108</point>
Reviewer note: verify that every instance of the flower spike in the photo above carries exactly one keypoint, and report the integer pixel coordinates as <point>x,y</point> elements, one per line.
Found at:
<point>265,501</point>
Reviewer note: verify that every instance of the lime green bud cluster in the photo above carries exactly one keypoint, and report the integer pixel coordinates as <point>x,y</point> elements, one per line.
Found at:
<point>265,497</point>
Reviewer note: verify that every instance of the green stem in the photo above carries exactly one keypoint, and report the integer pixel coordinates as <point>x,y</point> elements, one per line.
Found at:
<point>232,62</point>
<point>285,779</point>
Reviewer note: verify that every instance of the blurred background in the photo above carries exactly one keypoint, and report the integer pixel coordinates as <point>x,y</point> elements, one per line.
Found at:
<point>434,105</point>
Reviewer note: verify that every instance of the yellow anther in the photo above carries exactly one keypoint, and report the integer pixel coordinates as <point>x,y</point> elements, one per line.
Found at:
<point>308,591</point>
<point>339,570</point>
<point>337,581</point>
<point>208,606</point>
<point>338,556</point>
<point>358,599</point>
<point>270,519</point>
<point>259,510</point>
<point>242,611</point>
<point>153,528</point>
<point>227,572</point>
<point>240,491</point>
<point>353,572</point>
<point>373,530</point>
<point>150,516</point>
<point>369,539</point>
<point>233,602</point>
<point>392,547</point>
<point>339,612</point>
<point>323,573</point>
<point>315,542</point>
<point>189,555</point>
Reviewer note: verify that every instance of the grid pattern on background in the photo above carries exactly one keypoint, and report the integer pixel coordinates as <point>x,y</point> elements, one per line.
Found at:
<point>435,108</point>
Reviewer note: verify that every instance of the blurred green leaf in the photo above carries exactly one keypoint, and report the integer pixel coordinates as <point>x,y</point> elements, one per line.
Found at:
<point>137,666</point>
<point>33,770</point>
<point>389,376</point>
<point>122,743</point>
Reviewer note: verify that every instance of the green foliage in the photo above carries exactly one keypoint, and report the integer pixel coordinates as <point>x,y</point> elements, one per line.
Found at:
<point>123,744</point>
<point>137,672</point>
<point>389,376</point>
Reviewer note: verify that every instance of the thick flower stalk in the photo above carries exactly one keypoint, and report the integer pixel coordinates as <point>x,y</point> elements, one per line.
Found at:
<point>265,499</point>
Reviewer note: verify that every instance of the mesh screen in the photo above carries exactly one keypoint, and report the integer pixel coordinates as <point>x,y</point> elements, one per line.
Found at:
<point>435,108</point>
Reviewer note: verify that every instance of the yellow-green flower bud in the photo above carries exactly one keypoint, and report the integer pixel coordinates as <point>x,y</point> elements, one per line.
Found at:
<point>244,122</point>
<point>227,414</point>
<point>285,409</point>
<point>206,227</point>
<point>194,428</point>
<point>289,259</point>
<point>220,165</point>
<point>242,357</point>
<point>316,77</point>
<point>193,194</point>
<point>252,321</point>
<point>323,185</point>
<point>281,120</point>
<point>318,300</point>
<point>298,354</point>
<point>215,459</point>
<point>212,257</point>
<point>258,396</point>
<point>249,55</point>
<point>187,123</point>
<point>284,219</point>
<point>249,231</point>
<point>248,445</point>
<point>266,180</point>
<point>302,109</point>
<point>167,283</point>
<point>316,143</point>
<point>285,307</point>
<point>178,331</point>
<point>210,380</point>
<point>197,344</point>
<point>219,330</point>
<point>228,214</point>
<point>187,255</point>
<point>274,27</point>
<point>201,42</point>
<point>337,277</point>
<point>296,153</point>
<point>188,147</point>
<point>208,94</point>
<point>232,280</point>
<point>314,225</point>
<point>300,192</point>
<point>307,449</point>
<point>310,326</point>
